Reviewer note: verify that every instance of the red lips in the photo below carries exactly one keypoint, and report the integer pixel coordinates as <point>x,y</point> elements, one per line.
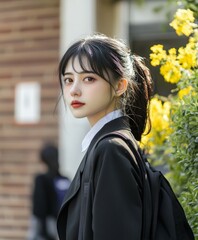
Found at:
<point>77,104</point>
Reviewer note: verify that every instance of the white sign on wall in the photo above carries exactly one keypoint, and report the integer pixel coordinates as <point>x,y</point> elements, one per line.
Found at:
<point>27,102</point>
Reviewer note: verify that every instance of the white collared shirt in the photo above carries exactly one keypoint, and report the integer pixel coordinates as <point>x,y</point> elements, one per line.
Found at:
<point>96,128</point>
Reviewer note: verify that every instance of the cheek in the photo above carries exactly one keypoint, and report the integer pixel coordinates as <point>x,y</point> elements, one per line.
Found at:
<point>66,94</point>
<point>102,88</point>
<point>100,95</point>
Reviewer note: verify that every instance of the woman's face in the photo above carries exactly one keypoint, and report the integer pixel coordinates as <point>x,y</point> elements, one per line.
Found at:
<point>86,93</point>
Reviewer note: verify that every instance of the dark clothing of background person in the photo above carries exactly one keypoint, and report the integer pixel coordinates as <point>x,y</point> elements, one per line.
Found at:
<point>48,193</point>
<point>46,200</point>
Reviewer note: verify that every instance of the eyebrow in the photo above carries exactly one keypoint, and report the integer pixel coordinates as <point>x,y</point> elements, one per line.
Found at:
<point>82,72</point>
<point>67,73</point>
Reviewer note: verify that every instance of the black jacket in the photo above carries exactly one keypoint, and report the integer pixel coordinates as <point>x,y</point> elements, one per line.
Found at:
<point>108,202</point>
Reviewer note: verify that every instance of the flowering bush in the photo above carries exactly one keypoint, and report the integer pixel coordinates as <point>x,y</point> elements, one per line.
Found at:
<point>174,120</point>
<point>153,142</point>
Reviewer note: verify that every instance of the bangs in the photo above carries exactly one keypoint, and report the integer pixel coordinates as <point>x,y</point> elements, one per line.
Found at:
<point>92,56</point>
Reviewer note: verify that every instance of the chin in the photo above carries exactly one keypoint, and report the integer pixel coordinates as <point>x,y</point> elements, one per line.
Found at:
<point>78,115</point>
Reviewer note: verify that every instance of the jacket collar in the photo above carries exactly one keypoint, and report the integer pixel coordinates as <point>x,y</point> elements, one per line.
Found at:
<point>98,126</point>
<point>121,123</point>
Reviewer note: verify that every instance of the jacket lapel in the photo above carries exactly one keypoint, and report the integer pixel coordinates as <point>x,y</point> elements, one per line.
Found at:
<point>75,184</point>
<point>72,191</point>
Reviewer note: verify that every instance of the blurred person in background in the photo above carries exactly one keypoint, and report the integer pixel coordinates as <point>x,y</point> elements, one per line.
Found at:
<point>48,193</point>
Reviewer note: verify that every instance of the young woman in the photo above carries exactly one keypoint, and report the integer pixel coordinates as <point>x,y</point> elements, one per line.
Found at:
<point>103,81</point>
<point>112,197</point>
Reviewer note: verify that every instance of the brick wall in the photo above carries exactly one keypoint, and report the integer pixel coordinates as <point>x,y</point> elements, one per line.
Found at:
<point>29,50</point>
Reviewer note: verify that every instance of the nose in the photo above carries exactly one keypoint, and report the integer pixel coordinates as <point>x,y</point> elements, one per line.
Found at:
<point>75,90</point>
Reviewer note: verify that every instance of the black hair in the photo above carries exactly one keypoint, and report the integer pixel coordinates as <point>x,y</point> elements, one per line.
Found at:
<point>49,156</point>
<point>112,60</point>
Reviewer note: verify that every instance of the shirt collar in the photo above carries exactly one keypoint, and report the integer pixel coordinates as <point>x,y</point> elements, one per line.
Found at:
<point>96,128</point>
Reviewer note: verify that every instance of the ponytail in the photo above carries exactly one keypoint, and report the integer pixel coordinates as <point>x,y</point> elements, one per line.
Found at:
<point>138,97</point>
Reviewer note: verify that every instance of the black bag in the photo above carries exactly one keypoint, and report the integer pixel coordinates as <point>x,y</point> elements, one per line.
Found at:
<point>163,216</point>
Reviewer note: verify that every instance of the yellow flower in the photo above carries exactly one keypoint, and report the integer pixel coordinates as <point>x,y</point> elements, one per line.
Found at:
<point>183,92</point>
<point>166,113</point>
<point>172,53</point>
<point>159,114</point>
<point>160,120</point>
<point>157,48</point>
<point>187,57</point>
<point>171,71</point>
<point>158,55</point>
<point>183,22</point>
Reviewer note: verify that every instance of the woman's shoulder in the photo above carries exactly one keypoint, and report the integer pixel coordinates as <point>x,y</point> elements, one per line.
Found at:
<point>113,139</point>
<point>113,143</point>
<point>110,142</point>
<point>113,153</point>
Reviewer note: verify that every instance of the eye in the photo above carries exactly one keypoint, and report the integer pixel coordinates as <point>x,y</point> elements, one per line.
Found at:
<point>67,81</point>
<point>89,79</point>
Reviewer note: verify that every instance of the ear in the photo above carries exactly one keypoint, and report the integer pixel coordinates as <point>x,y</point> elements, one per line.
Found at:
<point>121,87</point>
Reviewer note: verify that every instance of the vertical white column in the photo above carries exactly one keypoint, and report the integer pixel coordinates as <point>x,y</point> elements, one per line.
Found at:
<point>121,25</point>
<point>77,19</point>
